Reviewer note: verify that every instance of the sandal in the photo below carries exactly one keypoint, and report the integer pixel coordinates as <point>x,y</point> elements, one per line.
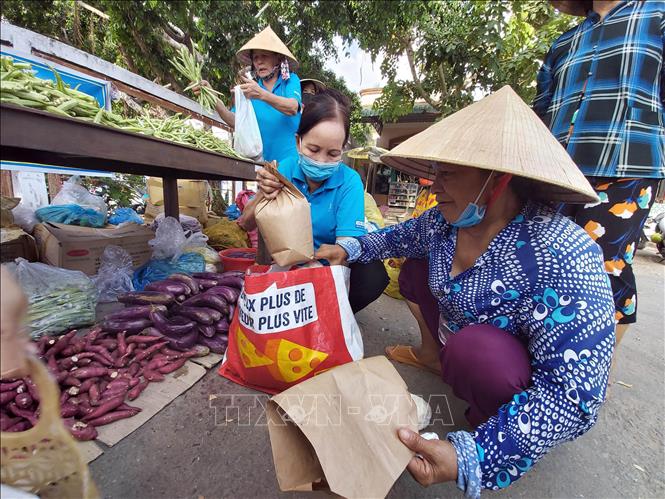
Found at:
<point>406,355</point>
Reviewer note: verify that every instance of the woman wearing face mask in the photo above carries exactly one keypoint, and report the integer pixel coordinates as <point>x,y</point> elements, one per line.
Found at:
<point>310,87</point>
<point>334,191</point>
<point>522,321</point>
<point>275,94</point>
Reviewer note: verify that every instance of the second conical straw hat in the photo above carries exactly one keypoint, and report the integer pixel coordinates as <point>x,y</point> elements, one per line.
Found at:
<point>500,133</point>
<point>266,40</point>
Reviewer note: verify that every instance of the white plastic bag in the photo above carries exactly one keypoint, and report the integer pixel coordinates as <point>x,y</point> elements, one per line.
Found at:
<point>74,193</point>
<point>25,217</point>
<point>170,240</point>
<point>188,223</point>
<point>114,276</point>
<point>247,136</point>
<point>59,299</point>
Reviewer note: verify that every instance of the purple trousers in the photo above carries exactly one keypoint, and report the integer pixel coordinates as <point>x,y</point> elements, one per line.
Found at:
<point>484,365</point>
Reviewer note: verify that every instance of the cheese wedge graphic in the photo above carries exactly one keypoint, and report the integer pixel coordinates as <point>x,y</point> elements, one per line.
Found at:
<point>292,361</point>
<point>249,354</point>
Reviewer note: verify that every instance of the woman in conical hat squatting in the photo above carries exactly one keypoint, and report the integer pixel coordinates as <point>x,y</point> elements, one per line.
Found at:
<point>523,316</point>
<point>275,94</point>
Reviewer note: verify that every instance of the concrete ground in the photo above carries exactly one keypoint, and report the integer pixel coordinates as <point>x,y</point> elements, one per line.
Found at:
<point>186,451</point>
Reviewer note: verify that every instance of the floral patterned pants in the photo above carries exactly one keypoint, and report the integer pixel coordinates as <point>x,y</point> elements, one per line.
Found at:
<point>616,223</point>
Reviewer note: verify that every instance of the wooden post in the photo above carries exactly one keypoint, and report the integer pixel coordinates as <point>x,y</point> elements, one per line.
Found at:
<point>6,185</point>
<point>170,186</point>
<point>54,181</point>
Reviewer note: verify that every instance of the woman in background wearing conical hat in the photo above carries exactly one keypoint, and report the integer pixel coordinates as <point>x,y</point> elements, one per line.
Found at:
<point>275,94</point>
<point>310,87</point>
<point>524,329</point>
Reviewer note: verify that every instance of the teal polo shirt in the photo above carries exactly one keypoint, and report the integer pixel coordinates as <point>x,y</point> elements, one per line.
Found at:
<point>338,205</point>
<point>278,130</point>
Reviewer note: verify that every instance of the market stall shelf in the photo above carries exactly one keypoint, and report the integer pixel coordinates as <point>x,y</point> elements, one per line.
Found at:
<point>63,141</point>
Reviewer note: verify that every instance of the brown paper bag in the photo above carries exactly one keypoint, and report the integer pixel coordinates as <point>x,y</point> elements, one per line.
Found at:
<point>338,430</point>
<point>286,224</point>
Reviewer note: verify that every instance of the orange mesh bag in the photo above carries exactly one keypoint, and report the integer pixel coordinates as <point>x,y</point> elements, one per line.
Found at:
<point>45,460</point>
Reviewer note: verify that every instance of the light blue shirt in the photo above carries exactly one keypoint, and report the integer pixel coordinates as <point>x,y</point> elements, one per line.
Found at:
<point>338,205</point>
<point>278,130</point>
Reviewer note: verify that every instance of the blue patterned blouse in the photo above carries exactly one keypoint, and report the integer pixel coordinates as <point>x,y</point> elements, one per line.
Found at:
<point>541,279</point>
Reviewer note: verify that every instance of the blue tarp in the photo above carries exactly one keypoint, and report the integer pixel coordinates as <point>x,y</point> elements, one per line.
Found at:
<point>95,87</point>
<point>92,86</point>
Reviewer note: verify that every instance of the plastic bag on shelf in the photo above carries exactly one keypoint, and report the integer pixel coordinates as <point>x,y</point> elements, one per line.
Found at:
<point>210,256</point>
<point>114,276</point>
<point>188,223</point>
<point>24,217</point>
<point>158,270</point>
<point>171,239</point>
<point>74,205</point>
<point>171,252</point>
<point>73,192</point>
<point>243,198</point>
<point>122,215</point>
<point>59,299</point>
<point>233,212</point>
<point>71,214</point>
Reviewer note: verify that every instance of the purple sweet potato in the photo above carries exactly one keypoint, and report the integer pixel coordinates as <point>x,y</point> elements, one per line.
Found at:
<point>146,298</point>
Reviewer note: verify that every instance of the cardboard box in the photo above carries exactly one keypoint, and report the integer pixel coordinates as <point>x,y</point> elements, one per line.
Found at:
<point>192,198</point>
<point>15,243</point>
<point>79,248</point>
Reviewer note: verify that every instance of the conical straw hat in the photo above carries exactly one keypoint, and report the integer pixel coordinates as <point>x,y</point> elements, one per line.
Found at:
<point>266,40</point>
<point>318,84</point>
<point>501,133</point>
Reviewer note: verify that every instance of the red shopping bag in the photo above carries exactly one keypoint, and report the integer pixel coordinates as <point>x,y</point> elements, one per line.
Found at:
<point>290,326</point>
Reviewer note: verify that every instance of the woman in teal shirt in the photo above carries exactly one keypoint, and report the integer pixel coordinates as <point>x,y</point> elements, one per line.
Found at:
<point>275,94</point>
<point>334,191</point>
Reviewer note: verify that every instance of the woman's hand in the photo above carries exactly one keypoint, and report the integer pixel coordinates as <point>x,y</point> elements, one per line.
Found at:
<point>197,89</point>
<point>251,89</point>
<point>334,253</point>
<point>268,183</point>
<point>438,462</point>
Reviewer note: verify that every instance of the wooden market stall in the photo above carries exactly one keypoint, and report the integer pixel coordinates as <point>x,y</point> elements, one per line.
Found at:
<point>33,136</point>
<point>39,137</point>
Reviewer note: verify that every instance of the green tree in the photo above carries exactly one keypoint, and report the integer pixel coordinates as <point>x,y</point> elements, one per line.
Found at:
<point>455,48</point>
<point>121,191</point>
<point>142,35</point>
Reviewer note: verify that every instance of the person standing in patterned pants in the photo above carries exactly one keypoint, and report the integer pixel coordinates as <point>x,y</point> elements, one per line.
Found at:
<point>600,91</point>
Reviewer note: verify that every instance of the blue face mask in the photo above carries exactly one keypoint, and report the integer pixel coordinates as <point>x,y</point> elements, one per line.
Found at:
<point>317,171</point>
<point>472,214</point>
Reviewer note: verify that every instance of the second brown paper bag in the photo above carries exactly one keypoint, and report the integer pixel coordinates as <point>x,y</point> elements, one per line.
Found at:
<point>339,430</point>
<point>285,223</point>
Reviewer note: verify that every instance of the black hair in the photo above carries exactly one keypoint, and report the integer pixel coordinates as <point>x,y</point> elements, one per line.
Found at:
<point>327,105</point>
